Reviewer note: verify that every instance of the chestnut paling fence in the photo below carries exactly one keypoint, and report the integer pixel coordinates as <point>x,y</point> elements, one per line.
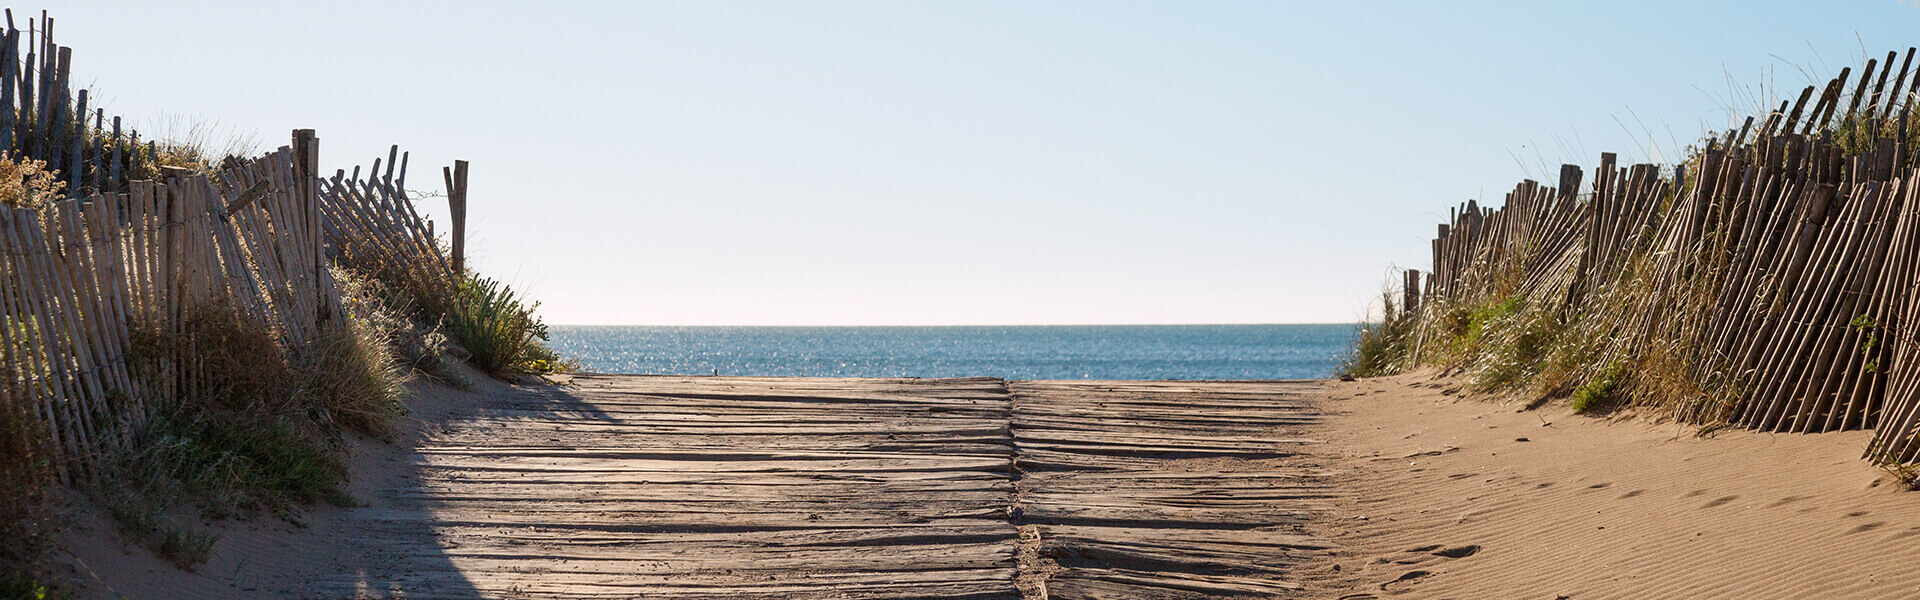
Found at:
<point>43,117</point>
<point>139,248</point>
<point>253,242</point>
<point>1776,272</point>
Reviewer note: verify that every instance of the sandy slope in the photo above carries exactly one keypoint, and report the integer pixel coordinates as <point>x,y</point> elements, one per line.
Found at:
<point>265,557</point>
<point>1548,504</point>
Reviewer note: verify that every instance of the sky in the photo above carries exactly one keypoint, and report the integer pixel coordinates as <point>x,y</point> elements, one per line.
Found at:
<point>944,163</point>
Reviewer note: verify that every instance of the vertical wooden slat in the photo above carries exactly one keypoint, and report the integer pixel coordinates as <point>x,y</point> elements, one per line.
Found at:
<point>457,202</point>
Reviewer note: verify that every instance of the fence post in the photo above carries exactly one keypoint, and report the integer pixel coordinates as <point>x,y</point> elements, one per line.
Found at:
<point>1569,182</point>
<point>306,167</point>
<point>457,204</point>
<point>1411,303</point>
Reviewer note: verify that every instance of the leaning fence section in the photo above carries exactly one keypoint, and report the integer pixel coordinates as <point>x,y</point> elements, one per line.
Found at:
<point>83,279</point>
<point>371,222</point>
<point>1775,273</point>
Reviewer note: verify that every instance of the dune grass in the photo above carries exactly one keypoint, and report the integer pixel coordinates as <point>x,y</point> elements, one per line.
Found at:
<point>1641,329</point>
<point>261,432</point>
<point>1380,348</point>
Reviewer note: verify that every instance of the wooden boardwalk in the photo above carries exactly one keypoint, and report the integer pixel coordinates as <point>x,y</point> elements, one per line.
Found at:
<point>722,487</point>
<point>1148,490</point>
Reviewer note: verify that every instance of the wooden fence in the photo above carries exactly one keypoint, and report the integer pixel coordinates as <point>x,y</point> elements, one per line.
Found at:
<point>79,276</point>
<point>372,225</point>
<point>43,117</point>
<point>1776,271</point>
<point>139,248</point>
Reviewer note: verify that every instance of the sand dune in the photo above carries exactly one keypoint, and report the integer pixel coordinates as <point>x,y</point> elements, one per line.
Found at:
<point>1453,498</point>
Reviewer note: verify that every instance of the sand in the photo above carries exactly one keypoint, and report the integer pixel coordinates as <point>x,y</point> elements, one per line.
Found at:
<point>263,557</point>
<point>1548,504</point>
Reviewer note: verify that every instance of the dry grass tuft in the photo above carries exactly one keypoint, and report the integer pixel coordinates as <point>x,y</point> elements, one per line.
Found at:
<point>27,183</point>
<point>260,430</point>
<point>193,144</point>
<point>1381,348</point>
<point>353,370</point>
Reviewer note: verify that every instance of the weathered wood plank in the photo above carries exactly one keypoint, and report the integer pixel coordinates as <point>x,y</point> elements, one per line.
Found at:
<point>1166,490</point>
<point>673,487</point>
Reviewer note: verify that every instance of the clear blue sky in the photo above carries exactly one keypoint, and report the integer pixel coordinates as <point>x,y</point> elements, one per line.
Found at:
<point>966,162</point>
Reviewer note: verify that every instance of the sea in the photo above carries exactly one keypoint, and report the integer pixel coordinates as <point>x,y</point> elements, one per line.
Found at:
<point>1190,352</point>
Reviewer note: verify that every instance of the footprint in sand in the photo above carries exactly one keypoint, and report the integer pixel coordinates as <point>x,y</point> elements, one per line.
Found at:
<point>1785,501</point>
<point>1721,501</point>
<point>1406,577</point>
<point>1632,494</point>
<point>1867,527</point>
<point>1598,486</point>
<point>1458,551</point>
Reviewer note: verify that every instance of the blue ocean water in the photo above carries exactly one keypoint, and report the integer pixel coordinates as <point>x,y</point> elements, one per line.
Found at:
<point>1012,352</point>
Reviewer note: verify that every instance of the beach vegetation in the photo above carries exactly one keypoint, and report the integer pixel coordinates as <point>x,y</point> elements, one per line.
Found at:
<point>451,318</point>
<point>1904,475</point>
<point>423,346</point>
<point>28,183</point>
<point>1869,342</point>
<point>260,430</point>
<point>1510,341</point>
<point>499,330</point>
<point>147,523</point>
<point>1598,395</point>
<point>1380,348</point>
<point>354,368</point>
<point>197,145</point>
<point>1859,133</point>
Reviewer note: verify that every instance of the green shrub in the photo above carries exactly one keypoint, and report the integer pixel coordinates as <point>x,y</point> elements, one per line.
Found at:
<point>1378,349</point>
<point>1597,395</point>
<point>498,330</point>
<point>242,461</point>
<point>1476,322</point>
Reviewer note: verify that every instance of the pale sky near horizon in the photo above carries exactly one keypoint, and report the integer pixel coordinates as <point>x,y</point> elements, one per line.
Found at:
<point>931,163</point>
